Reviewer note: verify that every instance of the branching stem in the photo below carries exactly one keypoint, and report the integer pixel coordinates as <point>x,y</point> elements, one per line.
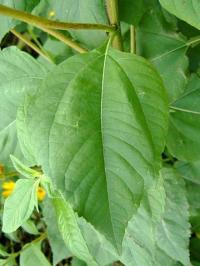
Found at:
<point>112,10</point>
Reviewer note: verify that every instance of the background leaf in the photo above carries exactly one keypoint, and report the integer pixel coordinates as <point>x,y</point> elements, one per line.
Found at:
<point>91,11</point>
<point>158,27</point>
<point>188,10</point>
<point>183,134</point>
<point>19,73</point>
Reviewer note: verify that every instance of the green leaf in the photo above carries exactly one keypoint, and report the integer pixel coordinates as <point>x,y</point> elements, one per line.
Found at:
<point>19,73</point>
<point>174,231</point>
<point>157,27</point>
<point>183,135</point>
<point>131,11</point>
<point>69,229</point>
<point>187,10</point>
<point>77,262</point>
<point>190,171</point>
<point>30,227</point>
<point>83,12</point>
<point>159,233</point>
<point>24,170</point>
<point>8,262</point>
<point>20,204</point>
<point>58,247</point>
<point>8,23</point>
<point>3,252</point>
<point>81,104</point>
<point>32,255</point>
<point>103,251</point>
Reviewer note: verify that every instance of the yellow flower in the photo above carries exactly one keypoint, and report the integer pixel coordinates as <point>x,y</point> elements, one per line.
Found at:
<point>8,188</point>
<point>41,193</point>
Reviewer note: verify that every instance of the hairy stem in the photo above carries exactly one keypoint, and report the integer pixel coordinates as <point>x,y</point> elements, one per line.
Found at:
<point>31,44</point>
<point>43,22</point>
<point>112,10</point>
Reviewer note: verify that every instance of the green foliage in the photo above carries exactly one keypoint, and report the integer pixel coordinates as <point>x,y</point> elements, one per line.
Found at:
<point>111,137</point>
<point>188,10</point>
<point>24,197</point>
<point>32,255</point>
<point>183,139</point>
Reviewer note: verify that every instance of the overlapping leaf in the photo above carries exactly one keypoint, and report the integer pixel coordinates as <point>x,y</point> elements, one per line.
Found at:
<point>157,41</point>
<point>19,73</point>
<point>99,135</point>
<point>159,234</point>
<point>183,135</point>
<point>187,10</point>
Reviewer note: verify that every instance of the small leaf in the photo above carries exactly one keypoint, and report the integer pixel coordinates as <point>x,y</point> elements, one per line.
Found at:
<point>32,256</point>
<point>24,170</point>
<point>69,229</point>
<point>19,205</point>
<point>30,227</point>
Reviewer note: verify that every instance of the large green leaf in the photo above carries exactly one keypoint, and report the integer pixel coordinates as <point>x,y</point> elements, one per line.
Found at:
<point>91,11</point>
<point>159,233</point>
<point>19,73</point>
<point>100,132</point>
<point>8,23</point>
<point>187,10</point>
<point>158,41</point>
<point>183,134</point>
<point>20,204</point>
<point>32,255</point>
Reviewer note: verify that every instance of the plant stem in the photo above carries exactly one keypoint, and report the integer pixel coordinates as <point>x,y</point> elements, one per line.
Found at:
<point>43,22</point>
<point>58,35</point>
<point>16,14</point>
<point>112,10</point>
<point>132,39</point>
<point>31,44</point>
<point>40,238</point>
